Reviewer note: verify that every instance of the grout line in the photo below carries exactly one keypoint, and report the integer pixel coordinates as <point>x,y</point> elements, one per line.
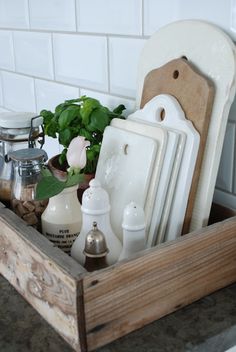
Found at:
<point>125,36</point>
<point>69,84</point>
<point>28,14</point>
<point>76,5</point>
<point>108,66</point>
<point>53,58</point>
<point>35,100</point>
<point>143,13</point>
<point>14,52</point>
<point>3,90</point>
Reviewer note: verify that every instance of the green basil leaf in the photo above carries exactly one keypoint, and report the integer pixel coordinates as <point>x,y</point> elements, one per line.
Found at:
<point>66,117</point>
<point>98,120</point>
<point>45,172</point>
<point>48,187</point>
<point>87,134</point>
<point>74,180</point>
<point>65,137</point>
<point>87,107</point>
<point>119,109</point>
<point>51,128</point>
<point>62,157</point>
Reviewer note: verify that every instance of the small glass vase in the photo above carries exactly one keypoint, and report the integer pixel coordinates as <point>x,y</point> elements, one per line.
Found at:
<point>62,220</point>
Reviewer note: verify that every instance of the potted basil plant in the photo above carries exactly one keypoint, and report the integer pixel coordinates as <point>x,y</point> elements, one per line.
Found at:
<point>85,117</point>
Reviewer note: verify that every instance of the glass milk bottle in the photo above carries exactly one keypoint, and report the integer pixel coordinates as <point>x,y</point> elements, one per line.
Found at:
<point>61,220</point>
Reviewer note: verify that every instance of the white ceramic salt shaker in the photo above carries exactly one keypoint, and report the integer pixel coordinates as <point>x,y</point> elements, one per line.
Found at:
<point>134,237</point>
<point>96,207</point>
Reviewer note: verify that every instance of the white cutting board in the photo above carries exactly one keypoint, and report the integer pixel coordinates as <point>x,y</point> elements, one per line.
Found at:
<point>215,58</point>
<point>161,229</point>
<point>174,119</point>
<point>125,168</point>
<point>161,171</point>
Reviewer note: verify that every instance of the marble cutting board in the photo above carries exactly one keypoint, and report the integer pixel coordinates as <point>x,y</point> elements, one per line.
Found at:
<point>162,185</point>
<point>125,168</point>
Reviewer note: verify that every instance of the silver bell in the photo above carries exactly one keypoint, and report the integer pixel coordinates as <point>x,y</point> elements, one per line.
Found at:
<point>95,243</point>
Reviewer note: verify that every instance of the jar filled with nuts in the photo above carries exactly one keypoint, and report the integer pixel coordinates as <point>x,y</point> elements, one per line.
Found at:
<point>18,130</point>
<point>27,164</point>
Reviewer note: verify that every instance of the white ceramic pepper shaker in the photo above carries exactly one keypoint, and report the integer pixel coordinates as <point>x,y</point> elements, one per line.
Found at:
<point>134,237</point>
<point>96,207</point>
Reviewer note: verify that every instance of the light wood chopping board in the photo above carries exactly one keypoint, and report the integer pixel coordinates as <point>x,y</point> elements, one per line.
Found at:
<point>195,94</point>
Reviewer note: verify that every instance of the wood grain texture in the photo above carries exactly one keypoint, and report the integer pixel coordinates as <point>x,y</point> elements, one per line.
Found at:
<point>133,293</point>
<point>195,94</point>
<point>46,277</point>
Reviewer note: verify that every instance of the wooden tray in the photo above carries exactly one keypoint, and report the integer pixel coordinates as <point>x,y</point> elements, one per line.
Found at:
<point>92,309</point>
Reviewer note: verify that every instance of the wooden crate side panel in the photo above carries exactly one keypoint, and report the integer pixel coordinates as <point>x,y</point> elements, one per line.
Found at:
<point>134,293</point>
<point>30,263</point>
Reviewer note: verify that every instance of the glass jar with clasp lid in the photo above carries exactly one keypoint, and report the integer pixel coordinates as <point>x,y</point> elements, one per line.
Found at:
<point>27,165</point>
<point>17,131</point>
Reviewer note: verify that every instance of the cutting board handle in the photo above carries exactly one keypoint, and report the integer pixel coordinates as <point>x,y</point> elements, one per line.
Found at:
<point>153,111</point>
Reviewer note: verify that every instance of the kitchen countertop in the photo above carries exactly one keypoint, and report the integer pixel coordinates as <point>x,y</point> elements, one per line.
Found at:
<point>208,325</point>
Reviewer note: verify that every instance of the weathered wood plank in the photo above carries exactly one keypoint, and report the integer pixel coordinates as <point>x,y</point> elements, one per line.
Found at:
<point>46,277</point>
<point>133,293</point>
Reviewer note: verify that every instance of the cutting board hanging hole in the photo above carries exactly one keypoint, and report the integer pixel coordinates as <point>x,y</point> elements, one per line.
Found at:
<point>175,74</point>
<point>126,149</point>
<point>162,114</point>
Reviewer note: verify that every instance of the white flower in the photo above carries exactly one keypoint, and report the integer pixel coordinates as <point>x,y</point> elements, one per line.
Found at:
<point>76,153</point>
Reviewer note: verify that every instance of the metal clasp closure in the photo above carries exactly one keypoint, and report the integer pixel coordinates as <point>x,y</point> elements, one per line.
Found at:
<point>31,139</point>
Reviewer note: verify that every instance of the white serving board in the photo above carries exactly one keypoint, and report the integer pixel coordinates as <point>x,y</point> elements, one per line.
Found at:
<point>170,163</point>
<point>160,231</point>
<point>125,168</point>
<point>215,57</point>
<point>174,119</point>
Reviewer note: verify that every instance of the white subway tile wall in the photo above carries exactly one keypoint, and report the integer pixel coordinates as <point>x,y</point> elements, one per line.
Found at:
<point>123,55</point>
<point>18,92</point>
<point>7,54</point>
<point>53,50</point>
<point>33,54</point>
<point>110,16</point>
<point>52,15</point>
<point>50,94</point>
<point>81,60</point>
<point>14,14</point>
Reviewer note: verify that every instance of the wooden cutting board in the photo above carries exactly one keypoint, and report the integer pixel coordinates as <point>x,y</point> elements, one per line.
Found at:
<point>195,93</point>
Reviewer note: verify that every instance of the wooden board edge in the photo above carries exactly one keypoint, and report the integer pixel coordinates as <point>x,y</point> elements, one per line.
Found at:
<point>32,266</point>
<point>218,251</point>
<point>81,315</point>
